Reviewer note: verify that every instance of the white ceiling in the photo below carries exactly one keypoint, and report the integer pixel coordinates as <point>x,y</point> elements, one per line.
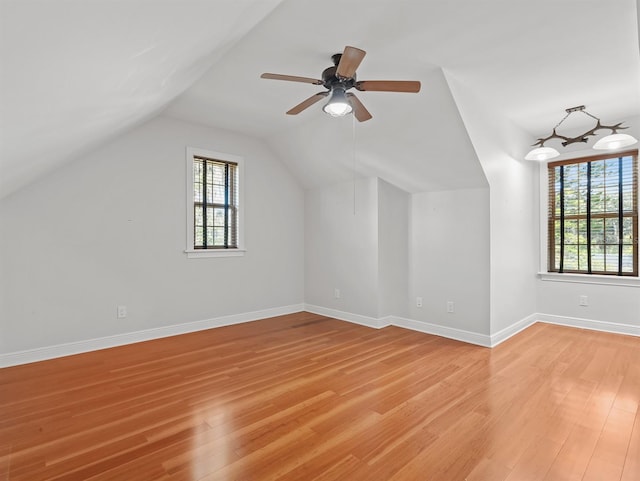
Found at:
<point>77,73</point>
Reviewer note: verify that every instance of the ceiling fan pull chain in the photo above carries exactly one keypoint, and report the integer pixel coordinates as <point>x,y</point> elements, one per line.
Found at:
<point>353,166</point>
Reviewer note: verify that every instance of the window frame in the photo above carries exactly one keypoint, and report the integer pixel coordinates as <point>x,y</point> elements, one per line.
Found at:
<point>550,218</point>
<point>191,250</point>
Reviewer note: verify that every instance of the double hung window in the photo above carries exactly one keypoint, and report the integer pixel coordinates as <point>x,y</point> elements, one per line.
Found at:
<point>214,202</point>
<point>593,215</point>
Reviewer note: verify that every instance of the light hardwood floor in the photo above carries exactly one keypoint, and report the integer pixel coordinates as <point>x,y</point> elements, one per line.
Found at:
<point>305,397</point>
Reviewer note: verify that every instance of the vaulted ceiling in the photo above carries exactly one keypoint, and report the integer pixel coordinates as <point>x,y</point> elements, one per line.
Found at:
<point>75,74</point>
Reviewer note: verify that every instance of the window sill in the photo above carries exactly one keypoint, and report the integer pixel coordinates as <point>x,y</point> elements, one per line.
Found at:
<point>627,281</point>
<point>198,253</point>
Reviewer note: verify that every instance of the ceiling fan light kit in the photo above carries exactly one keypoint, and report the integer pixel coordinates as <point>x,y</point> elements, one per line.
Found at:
<point>338,105</point>
<point>338,79</point>
<point>613,141</point>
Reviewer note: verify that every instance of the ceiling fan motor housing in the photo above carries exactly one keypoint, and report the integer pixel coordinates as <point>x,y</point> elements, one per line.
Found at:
<point>330,78</point>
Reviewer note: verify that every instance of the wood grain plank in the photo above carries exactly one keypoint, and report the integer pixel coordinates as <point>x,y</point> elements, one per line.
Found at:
<point>631,470</point>
<point>304,396</point>
<point>608,458</point>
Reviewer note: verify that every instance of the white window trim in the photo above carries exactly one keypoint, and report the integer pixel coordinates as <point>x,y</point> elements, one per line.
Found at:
<point>543,273</point>
<point>192,253</point>
<point>627,281</point>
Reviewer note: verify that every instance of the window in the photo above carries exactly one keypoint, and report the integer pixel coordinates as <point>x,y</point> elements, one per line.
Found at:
<point>593,215</point>
<point>214,214</point>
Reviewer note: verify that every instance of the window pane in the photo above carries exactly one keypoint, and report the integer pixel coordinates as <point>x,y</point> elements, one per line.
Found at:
<point>597,187</point>
<point>199,237</point>
<point>210,194</point>
<point>197,218</point>
<point>233,185</point>
<point>582,188</point>
<point>571,189</point>
<point>582,231</point>
<point>219,217</point>
<point>218,236</point>
<point>197,181</point>
<point>597,231</point>
<point>611,231</point>
<point>611,181</point>
<point>217,173</point>
<point>571,257</point>
<point>627,185</point>
<point>611,258</point>
<point>231,236</point>
<point>556,197</point>
<point>583,258</point>
<point>627,259</point>
<point>611,199</point>
<point>597,257</point>
<point>218,194</point>
<point>571,231</point>
<point>627,230</point>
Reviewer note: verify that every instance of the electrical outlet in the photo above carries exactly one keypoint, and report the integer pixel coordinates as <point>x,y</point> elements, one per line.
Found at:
<point>418,301</point>
<point>336,293</point>
<point>584,301</point>
<point>122,312</point>
<point>450,307</point>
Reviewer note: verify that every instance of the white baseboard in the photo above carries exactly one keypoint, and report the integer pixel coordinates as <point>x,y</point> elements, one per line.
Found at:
<point>376,323</point>
<point>51,352</point>
<point>474,337</point>
<point>425,327</point>
<point>512,330</point>
<point>443,331</point>
<point>611,327</point>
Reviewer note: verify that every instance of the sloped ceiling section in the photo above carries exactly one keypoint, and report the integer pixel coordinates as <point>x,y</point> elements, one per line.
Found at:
<point>415,141</point>
<point>527,62</point>
<point>77,73</point>
<point>421,145</point>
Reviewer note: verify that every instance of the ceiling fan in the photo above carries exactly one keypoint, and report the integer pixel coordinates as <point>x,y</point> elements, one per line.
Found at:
<point>338,79</point>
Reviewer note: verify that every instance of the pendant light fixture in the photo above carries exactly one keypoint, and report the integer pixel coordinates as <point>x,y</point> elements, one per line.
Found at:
<point>612,141</point>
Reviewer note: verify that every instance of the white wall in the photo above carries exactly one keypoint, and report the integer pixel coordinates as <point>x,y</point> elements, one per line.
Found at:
<point>606,303</point>
<point>341,247</point>
<point>393,254</point>
<point>109,229</point>
<point>449,258</point>
<point>617,304</point>
<point>500,147</point>
<point>514,240</point>
<point>395,247</point>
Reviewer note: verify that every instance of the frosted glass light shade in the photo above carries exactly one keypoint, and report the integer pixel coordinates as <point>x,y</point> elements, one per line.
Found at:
<point>338,105</point>
<point>338,109</point>
<point>614,141</point>
<point>542,153</point>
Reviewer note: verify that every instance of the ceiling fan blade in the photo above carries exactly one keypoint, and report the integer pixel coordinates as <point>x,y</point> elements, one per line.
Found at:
<point>349,62</point>
<point>291,78</point>
<point>410,86</point>
<point>307,103</point>
<point>359,110</point>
